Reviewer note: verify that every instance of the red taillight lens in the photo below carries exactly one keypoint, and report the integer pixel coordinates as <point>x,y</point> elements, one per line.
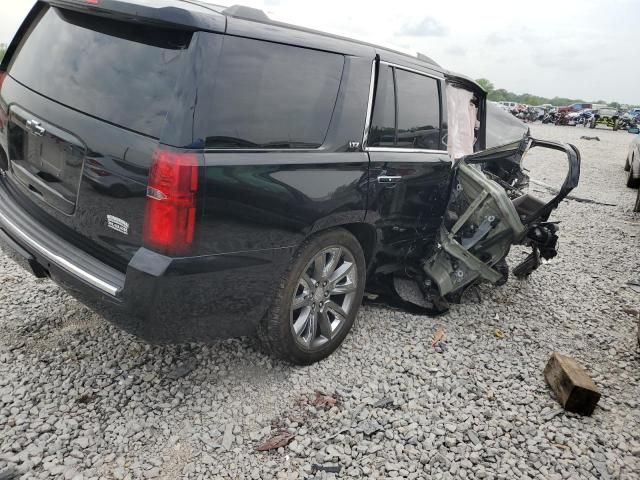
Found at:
<point>170,217</point>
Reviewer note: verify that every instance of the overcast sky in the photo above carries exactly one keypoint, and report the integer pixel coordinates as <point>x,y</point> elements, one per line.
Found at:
<point>569,48</point>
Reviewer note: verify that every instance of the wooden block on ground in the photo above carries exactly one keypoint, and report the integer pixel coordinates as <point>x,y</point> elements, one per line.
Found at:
<point>572,385</point>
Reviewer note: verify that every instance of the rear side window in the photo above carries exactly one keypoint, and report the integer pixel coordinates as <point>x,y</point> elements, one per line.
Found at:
<point>120,72</point>
<point>406,112</point>
<point>267,95</point>
<point>418,111</point>
<point>383,123</point>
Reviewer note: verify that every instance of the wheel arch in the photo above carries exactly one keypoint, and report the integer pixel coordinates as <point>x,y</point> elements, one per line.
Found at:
<point>365,234</point>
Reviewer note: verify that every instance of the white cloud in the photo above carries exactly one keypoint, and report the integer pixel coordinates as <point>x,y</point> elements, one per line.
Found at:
<point>427,27</point>
<point>12,12</point>
<point>574,48</point>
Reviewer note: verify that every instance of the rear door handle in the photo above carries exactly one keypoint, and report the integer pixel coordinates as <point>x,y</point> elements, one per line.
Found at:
<point>389,179</point>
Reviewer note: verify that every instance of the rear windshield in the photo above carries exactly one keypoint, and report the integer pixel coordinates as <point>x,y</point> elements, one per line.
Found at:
<point>116,71</point>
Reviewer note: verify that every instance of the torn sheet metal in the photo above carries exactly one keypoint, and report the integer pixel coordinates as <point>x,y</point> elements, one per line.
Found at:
<point>481,225</point>
<point>489,212</point>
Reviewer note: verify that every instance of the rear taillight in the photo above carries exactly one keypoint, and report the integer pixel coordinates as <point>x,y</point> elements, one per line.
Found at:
<point>170,217</point>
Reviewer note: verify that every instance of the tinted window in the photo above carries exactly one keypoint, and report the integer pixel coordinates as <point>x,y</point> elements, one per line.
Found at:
<point>266,95</point>
<point>117,71</point>
<point>383,122</point>
<point>418,111</point>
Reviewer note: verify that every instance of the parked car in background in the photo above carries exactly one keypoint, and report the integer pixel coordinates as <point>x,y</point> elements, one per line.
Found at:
<point>626,121</point>
<point>606,116</point>
<point>583,117</point>
<point>284,169</point>
<point>632,166</point>
<point>541,110</point>
<point>574,107</point>
<point>509,106</point>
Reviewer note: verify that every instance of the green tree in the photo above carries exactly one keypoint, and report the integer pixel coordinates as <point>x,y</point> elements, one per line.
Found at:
<point>3,50</point>
<point>486,84</point>
<point>502,95</point>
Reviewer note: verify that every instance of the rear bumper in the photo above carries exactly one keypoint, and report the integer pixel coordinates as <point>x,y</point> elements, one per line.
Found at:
<point>159,298</point>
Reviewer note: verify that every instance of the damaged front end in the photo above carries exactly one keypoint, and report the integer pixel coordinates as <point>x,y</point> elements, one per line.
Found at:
<point>484,219</point>
<point>488,212</point>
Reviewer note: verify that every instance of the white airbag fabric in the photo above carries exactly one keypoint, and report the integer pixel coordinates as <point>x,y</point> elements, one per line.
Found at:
<point>462,122</point>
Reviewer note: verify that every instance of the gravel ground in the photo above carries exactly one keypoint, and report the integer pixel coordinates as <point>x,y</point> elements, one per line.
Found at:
<point>81,399</point>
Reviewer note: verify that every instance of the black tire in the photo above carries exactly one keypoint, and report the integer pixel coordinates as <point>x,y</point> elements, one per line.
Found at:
<point>631,181</point>
<point>627,165</point>
<point>276,330</point>
<point>636,208</point>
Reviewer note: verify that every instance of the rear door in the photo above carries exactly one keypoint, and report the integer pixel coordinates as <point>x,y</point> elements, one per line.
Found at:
<point>86,99</point>
<point>410,170</point>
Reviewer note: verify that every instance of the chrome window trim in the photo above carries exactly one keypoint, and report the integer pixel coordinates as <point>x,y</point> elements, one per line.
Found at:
<point>61,262</point>
<point>365,137</point>
<point>408,150</point>
<point>412,70</point>
<point>261,150</point>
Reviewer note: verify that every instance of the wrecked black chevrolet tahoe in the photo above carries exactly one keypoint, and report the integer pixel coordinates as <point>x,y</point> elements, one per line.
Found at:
<point>193,172</point>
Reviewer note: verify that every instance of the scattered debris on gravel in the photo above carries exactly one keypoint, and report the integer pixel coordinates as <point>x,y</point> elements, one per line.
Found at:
<point>571,384</point>
<point>80,399</point>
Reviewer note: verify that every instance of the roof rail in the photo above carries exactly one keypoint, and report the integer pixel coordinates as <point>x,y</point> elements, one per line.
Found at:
<point>425,58</point>
<point>247,13</point>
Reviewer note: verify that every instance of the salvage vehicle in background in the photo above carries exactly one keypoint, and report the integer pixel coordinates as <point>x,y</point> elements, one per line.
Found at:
<point>575,107</point>
<point>632,166</point>
<point>551,116</point>
<point>584,117</point>
<point>509,106</point>
<point>284,170</point>
<point>604,116</point>
<point>626,121</point>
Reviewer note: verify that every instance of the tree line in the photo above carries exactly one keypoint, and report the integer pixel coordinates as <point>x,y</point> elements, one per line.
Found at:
<point>3,50</point>
<point>502,95</point>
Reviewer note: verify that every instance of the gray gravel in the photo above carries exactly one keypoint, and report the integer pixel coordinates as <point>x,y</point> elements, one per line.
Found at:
<point>80,399</point>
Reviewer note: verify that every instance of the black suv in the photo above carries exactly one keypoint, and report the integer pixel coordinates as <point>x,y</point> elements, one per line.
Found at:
<point>193,172</point>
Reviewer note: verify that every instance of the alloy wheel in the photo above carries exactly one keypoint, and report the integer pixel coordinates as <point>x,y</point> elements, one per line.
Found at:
<point>324,297</point>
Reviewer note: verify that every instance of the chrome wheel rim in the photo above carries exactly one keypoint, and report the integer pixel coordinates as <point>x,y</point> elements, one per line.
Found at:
<point>324,297</point>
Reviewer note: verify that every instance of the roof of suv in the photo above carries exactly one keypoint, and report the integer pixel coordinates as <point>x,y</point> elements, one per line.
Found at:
<point>238,20</point>
<point>255,15</point>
